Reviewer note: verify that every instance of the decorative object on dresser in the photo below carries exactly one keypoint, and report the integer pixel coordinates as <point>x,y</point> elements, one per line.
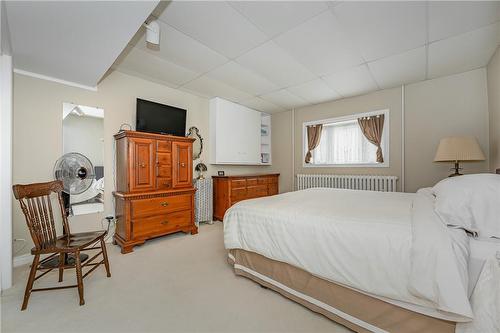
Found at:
<point>228,190</point>
<point>200,168</point>
<point>154,187</point>
<point>203,200</point>
<point>459,149</point>
<point>35,201</point>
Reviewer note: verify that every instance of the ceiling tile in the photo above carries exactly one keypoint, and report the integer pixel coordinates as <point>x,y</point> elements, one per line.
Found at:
<point>276,65</point>
<point>242,78</point>
<point>284,98</point>
<point>321,44</point>
<point>314,92</point>
<point>259,104</point>
<point>209,88</point>
<point>215,24</point>
<point>399,69</point>
<point>274,17</point>
<point>140,63</point>
<point>354,81</point>
<point>384,28</point>
<point>181,49</point>
<point>450,18</point>
<point>463,52</point>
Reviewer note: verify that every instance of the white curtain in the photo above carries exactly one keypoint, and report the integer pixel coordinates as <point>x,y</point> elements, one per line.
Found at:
<point>344,144</point>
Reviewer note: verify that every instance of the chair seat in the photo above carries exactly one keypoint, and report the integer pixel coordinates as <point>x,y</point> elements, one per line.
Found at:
<point>73,242</point>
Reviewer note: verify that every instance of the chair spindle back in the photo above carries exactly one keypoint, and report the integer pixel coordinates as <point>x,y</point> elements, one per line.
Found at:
<point>35,201</point>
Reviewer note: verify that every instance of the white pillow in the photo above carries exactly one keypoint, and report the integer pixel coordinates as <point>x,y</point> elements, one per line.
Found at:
<point>471,202</point>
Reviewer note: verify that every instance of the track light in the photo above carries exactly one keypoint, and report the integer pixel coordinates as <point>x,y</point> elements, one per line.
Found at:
<point>152,32</point>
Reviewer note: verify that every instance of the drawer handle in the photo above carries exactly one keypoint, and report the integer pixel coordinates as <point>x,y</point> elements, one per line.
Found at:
<point>164,204</point>
<point>164,222</point>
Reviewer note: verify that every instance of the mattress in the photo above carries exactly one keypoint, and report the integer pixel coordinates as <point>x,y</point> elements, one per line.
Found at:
<point>358,239</point>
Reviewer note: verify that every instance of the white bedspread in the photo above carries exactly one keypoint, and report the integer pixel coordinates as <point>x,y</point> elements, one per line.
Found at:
<point>360,239</point>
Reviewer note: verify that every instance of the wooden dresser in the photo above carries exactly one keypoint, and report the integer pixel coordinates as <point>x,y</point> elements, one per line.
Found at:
<point>154,194</point>
<point>228,190</point>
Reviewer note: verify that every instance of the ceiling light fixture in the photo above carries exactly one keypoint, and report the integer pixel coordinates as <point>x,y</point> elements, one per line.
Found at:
<point>152,32</point>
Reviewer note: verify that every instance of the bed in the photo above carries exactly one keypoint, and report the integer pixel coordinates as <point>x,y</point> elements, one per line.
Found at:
<point>358,257</point>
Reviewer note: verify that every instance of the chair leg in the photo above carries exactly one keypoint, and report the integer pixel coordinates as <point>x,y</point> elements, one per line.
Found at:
<point>31,280</point>
<point>79,277</point>
<point>62,261</point>
<point>105,256</point>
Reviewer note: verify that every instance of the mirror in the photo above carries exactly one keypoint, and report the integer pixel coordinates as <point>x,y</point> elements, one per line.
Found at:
<point>194,133</point>
<point>83,133</point>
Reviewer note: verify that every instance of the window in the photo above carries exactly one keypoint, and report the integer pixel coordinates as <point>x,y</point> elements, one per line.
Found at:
<point>342,143</point>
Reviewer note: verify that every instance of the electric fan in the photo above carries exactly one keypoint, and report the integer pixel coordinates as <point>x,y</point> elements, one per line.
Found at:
<point>77,174</point>
<point>75,171</point>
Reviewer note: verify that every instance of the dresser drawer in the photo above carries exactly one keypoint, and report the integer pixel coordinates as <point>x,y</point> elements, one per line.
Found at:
<point>164,158</point>
<point>273,189</point>
<point>262,180</point>
<point>161,205</point>
<point>256,191</point>
<point>273,180</point>
<point>252,181</point>
<point>238,183</point>
<point>238,194</point>
<point>164,171</point>
<point>163,146</point>
<point>160,224</point>
<point>163,183</point>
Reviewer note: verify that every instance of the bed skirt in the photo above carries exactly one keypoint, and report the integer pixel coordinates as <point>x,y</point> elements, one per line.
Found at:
<point>355,310</point>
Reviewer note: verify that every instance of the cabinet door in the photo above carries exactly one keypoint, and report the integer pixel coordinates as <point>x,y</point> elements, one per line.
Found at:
<point>237,133</point>
<point>142,173</point>
<point>182,164</point>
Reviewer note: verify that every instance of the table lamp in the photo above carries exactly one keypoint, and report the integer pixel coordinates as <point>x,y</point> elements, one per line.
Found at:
<point>458,149</point>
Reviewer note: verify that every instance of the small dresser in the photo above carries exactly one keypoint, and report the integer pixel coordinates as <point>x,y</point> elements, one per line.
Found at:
<point>154,187</point>
<point>228,190</point>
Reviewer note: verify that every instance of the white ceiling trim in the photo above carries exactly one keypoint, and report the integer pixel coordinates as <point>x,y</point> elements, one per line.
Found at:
<point>54,79</point>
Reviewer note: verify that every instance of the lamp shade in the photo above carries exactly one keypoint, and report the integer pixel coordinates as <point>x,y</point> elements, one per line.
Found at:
<point>459,148</point>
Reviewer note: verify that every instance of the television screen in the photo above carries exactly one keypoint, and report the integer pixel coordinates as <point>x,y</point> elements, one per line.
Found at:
<point>159,118</point>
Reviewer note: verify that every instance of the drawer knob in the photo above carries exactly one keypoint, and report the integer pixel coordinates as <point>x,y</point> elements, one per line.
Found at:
<point>164,222</point>
<point>183,165</point>
<point>143,165</point>
<point>164,204</point>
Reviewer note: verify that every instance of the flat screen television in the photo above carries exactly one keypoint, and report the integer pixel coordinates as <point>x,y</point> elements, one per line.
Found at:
<point>159,118</point>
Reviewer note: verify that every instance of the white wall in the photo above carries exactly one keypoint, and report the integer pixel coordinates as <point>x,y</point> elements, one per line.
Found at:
<point>452,105</point>
<point>38,130</point>
<point>5,153</point>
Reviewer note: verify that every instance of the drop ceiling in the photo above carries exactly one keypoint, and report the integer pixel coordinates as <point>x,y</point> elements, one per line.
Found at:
<point>274,56</point>
<point>74,41</point>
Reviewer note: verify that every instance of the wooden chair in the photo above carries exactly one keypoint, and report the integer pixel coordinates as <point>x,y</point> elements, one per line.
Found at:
<point>35,200</point>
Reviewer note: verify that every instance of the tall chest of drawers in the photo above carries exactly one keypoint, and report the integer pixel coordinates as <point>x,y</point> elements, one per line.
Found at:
<point>154,192</point>
<point>228,190</point>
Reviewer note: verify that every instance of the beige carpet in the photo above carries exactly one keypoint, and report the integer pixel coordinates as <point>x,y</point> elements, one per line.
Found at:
<point>178,283</point>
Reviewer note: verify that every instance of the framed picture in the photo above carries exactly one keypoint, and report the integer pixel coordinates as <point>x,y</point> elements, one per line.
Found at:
<point>220,173</point>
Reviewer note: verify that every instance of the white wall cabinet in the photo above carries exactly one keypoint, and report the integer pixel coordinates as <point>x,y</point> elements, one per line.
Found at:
<point>235,134</point>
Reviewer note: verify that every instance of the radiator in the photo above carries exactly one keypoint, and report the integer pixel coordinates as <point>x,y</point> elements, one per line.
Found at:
<point>353,182</point>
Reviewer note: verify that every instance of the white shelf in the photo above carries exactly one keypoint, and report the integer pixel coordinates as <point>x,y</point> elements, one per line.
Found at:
<point>265,139</point>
